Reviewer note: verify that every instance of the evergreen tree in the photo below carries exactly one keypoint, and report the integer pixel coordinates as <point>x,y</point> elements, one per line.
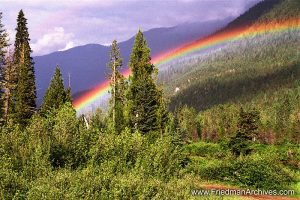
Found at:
<point>3,42</point>
<point>56,95</point>
<point>143,95</point>
<point>68,95</point>
<point>26,91</point>
<point>69,92</point>
<point>118,88</point>
<point>3,46</point>
<point>247,132</point>
<point>9,86</point>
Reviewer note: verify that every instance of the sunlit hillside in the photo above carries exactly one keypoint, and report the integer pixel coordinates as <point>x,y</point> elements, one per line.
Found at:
<point>261,71</point>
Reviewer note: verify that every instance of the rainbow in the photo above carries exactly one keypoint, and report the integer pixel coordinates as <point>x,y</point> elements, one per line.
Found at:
<point>218,38</point>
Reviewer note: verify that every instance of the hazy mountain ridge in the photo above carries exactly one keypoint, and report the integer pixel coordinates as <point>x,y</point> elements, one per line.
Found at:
<point>87,64</point>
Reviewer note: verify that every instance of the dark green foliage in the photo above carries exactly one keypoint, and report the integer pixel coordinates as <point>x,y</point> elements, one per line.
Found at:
<point>22,38</point>
<point>56,95</point>
<point>188,123</point>
<point>247,131</point>
<point>144,98</point>
<point>25,95</point>
<point>26,91</point>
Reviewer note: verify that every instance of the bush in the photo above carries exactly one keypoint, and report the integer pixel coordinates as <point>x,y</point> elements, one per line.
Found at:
<point>254,171</point>
<point>203,149</point>
<point>97,183</point>
<point>65,137</point>
<point>161,159</point>
<point>121,151</point>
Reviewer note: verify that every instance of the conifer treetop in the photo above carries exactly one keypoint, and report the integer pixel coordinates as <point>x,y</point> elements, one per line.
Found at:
<point>140,56</point>
<point>22,36</point>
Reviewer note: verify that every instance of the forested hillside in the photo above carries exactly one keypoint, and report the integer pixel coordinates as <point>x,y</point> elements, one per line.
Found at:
<point>261,72</point>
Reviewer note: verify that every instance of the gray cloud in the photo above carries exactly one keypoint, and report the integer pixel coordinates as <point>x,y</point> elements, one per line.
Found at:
<point>57,24</point>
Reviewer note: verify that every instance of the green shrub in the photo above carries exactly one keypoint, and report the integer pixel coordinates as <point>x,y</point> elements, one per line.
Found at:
<point>161,159</point>
<point>254,171</point>
<point>204,149</point>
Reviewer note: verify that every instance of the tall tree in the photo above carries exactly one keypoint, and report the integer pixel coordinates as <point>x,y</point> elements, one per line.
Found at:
<point>26,90</point>
<point>247,132</point>
<point>68,91</point>
<point>117,88</point>
<point>3,42</point>
<point>56,95</point>
<point>143,95</point>
<point>9,85</point>
<point>68,95</point>
<point>3,45</point>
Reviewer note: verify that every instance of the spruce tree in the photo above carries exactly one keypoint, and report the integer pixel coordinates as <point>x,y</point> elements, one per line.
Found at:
<point>68,95</point>
<point>143,95</point>
<point>56,95</point>
<point>247,132</point>
<point>3,42</point>
<point>26,91</point>
<point>117,88</point>
<point>3,45</point>
<point>9,85</point>
<point>68,91</point>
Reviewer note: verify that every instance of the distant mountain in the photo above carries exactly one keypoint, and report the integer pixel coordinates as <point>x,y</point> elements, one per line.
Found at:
<point>86,64</point>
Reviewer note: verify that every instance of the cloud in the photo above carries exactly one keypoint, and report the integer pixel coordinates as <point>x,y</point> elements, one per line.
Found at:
<point>60,24</point>
<point>52,41</point>
<point>69,45</point>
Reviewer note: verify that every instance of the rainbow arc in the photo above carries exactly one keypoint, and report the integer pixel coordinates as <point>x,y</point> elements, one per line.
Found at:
<point>218,38</point>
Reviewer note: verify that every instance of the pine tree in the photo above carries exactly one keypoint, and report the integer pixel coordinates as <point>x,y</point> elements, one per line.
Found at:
<point>68,95</point>
<point>3,42</point>
<point>69,92</point>
<point>3,45</point>
<point>118,88</point>
<point>143,95</point>
<point>9,86</point>
<point>247,132</point>
<point>26,90</point>
<point>56,95</point>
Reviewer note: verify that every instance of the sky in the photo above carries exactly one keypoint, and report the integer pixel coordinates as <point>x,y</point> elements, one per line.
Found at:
<point>56,25</point>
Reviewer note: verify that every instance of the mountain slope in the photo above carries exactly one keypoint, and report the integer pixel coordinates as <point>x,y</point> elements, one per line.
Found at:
<point>240,68</point>
<point>87,64</point>
<point>261,72</point>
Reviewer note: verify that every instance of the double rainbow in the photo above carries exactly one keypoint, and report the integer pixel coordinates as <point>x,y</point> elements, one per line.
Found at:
<point>218,38</point>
